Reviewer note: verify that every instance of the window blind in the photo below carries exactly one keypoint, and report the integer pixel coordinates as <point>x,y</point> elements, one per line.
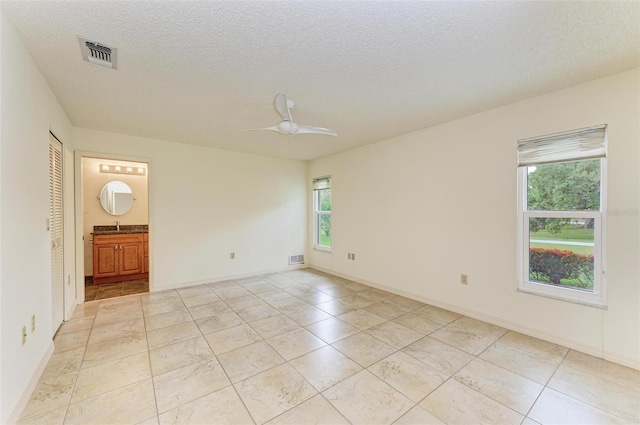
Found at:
<point>586,143</point>
<point>321,183</point>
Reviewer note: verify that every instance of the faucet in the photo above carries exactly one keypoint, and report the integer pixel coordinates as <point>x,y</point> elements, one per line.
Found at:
<point>118,225</point>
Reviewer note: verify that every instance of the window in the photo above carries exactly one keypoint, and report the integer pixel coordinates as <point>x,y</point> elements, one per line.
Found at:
<point>561,195</point>
<point>322,213</point>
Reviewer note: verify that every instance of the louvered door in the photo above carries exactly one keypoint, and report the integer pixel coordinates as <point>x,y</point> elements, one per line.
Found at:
<point>56,231</point>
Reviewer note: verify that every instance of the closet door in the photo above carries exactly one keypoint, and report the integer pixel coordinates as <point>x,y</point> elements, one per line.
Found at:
<point>56,231</point>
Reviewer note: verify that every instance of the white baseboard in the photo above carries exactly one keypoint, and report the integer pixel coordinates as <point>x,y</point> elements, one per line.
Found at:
<point>223,278</point>
<point>498,321</point>
<point>33,382</point>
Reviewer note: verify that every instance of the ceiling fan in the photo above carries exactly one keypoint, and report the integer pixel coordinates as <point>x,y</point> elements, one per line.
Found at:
<point>287,125</point>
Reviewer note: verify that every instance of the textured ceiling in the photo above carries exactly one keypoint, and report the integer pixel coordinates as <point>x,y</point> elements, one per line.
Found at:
<point>204,72</point>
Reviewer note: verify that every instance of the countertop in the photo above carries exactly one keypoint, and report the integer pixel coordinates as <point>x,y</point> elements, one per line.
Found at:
<point>124,229</point>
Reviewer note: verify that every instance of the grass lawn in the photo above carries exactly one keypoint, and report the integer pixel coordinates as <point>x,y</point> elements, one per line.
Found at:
<point>325,240</point>
<point>568,233</point>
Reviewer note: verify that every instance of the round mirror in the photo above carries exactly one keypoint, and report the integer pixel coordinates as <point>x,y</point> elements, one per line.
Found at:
<point>116,198</point>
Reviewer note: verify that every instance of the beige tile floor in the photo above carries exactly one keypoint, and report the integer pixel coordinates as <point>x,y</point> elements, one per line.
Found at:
<point>303,347</point>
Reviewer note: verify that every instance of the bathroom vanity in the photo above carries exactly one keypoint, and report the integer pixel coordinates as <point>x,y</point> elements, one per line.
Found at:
<point>120,254</point>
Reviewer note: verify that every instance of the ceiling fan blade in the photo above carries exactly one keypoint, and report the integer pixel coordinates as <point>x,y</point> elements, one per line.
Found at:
<point>273,128</point>
<point>282,107</point>
<point>307,129</point>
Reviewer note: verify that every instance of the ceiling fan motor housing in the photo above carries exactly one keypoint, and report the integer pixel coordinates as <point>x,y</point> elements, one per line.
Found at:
<point>288,127</point>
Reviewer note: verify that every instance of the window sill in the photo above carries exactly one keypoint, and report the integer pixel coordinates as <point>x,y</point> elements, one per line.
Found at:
<point>322,248</point>
<point>595,304</point>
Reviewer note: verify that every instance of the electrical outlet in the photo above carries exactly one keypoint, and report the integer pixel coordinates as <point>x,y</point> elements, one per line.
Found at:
<point>464,279</point>
<point>33,323</point>
<point>232,256</point>
<point>24,335</point>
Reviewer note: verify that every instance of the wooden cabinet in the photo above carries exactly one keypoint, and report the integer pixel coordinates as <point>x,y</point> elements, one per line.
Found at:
<point>119,257</point>
<point>145,250</point>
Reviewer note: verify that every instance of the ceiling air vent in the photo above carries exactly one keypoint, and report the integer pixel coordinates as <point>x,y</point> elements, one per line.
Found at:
<point>98,53</point>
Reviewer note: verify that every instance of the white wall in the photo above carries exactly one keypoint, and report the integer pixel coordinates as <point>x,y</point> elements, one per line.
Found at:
<point>420,209</point>
<point>29,110</point>
<point>92,212</point>
<point>206,203</point>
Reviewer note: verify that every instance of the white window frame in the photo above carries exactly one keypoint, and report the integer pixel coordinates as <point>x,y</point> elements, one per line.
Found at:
<point>597,298</point>
<point>316,218</point>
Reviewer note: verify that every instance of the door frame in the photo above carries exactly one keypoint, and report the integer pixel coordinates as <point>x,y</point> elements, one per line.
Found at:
<point>78,186</point>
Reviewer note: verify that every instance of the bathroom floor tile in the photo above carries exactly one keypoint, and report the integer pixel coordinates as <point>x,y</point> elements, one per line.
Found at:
<point>364,349</point>
<point>129,328</point>
<point>53,417</point>
<point>273,392</point>
<point>114,349</point>
<point>75,325</point>
<point>171,303</point>
<point>170,318</point>
<point>131,404</point>
<point>50,394</point>
<point>315,411</point>
<point>505,387</point>
<point>219,322</point>
<point>470,335</point>
<point>274,325</point>
<point>295,343</point>
<point>325,367</point>
<point>63,362</point>
<point>417,323</point>
<point>306,315</point>
<point>207,310</point>
<point>224,405</point>
<point>394,334</point>
<point>232,338</point>
<point>194,291</point>
<point>611,372</point>
<point>180,354</point>
<point>365,399</point>
<point>196,300</point>
<point>438,355</point>
<point>553,407</point>
<point>111,375</point>
<point>244,302</point>
<point>171,334</point>
<point>257,312</point>
<point>247,361</point>
<point>362,319</point>
<point>436,315</point>
<point>455,403</point>
<point>419,416</point>
<point>333,329</point>
<point>71,340</point>
<point>387,309</point>
<point>409,376</point>
<point>317,297</point>
<point>335,307</point>
<point>532,366</point>
<point>188,383</point>
<point>600,393</point>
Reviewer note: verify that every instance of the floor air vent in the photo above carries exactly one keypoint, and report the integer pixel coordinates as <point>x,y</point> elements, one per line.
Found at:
<point>296,259</point>
<point>98,53</point>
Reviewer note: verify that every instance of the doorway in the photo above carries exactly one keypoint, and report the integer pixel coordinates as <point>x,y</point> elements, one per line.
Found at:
<point>115,227</point>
